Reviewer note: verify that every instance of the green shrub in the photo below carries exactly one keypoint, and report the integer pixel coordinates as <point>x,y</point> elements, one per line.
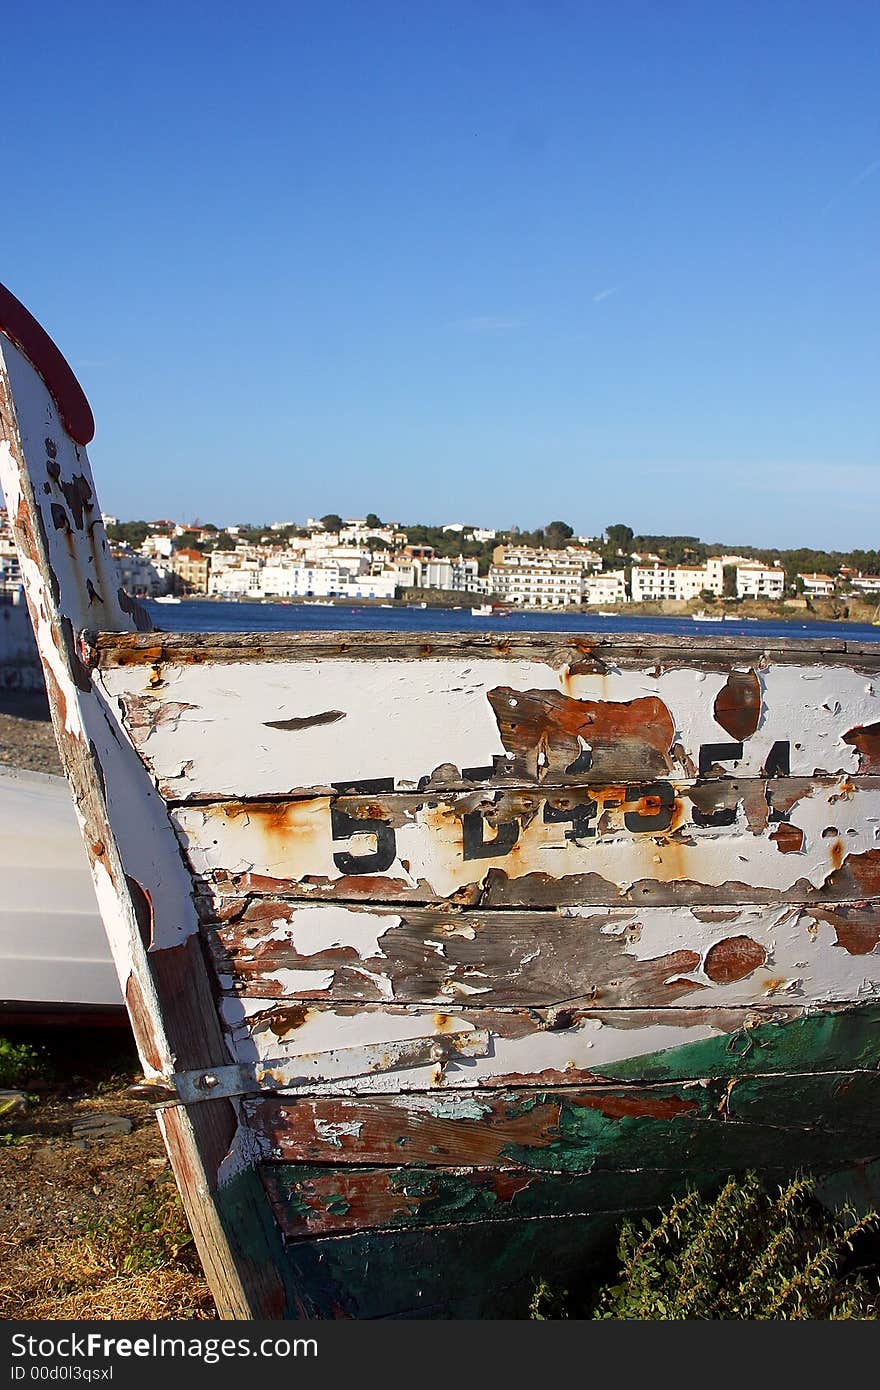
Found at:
<point>744,1253</point>
<point>548,1303</point>
<point>150,1234</point>
<point>19,1063</point>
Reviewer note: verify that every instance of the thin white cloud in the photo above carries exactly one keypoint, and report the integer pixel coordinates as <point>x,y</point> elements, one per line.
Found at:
<point>866,173</point>
<point>854,182</point>
<point>605,294</point>
<point>486,323</point>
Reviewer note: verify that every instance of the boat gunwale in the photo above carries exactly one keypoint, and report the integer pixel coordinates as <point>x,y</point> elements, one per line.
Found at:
<point>109,649</point>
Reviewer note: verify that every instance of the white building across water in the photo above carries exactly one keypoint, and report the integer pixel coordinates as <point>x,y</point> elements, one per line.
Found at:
<point>760,581</point>
<point>607,587</point>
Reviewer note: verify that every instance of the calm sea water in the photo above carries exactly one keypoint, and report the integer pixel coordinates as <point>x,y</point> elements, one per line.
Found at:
<point>207,616</point>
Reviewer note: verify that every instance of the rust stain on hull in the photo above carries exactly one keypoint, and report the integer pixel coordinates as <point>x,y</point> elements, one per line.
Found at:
<point>637,1105</point>
<point>789,839</point>
<point>733,959</point>
<point>857,928</point>
<point>549,733</point>
<point>866,741</point>
<point>738,705</point>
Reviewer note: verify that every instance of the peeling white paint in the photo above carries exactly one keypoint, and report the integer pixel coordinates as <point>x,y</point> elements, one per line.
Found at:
<point>382,983</point>
<point>584,1049</point>
<point>334,1133</point>
<point>460,987</point>
<point>431,843</point>
<point>313,930</point>
<point>299,982</point>
<point>379,736</point>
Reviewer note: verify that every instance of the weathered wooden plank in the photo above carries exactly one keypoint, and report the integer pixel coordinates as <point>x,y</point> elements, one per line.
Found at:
<point>314,1202</point>
<point>111,649</point>
<point>723,842</point>
<point>581,1152</point>
<point>321,1201</point>
<point>272,949</point>
<point>473,1270</point>
<point>689,1125</point>
<point>574,1045</point>
<point>270,729</point>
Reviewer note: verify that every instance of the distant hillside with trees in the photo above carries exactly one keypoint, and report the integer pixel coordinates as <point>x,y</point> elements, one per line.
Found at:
<point>617,543</point>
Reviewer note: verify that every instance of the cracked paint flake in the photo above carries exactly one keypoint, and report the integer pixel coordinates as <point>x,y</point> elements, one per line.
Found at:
<point>456,727</point>
<point>419,848</point>
<point>334,1132</point>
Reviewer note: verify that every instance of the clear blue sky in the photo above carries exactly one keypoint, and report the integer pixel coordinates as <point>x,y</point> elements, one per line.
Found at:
<point>449,260</point>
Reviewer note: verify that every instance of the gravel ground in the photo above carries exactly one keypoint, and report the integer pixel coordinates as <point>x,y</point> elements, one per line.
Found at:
<point>26,737</point>
<point>80,1232</point>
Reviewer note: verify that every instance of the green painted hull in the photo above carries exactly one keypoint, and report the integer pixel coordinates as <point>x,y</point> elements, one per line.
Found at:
<point>471,1241</point>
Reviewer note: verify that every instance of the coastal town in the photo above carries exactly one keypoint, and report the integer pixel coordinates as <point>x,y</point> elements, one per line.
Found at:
<point>365,559</point>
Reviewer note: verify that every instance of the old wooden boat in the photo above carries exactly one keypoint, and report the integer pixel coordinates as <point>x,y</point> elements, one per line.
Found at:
<point>442,953</point>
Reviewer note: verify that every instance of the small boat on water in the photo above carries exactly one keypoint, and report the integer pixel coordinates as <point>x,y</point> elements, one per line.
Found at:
<point>167,598</point>
<point>444,950</point>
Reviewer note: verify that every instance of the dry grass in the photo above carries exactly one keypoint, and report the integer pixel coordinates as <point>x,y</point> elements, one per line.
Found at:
<point>74,1279</point>
<point>96,1230</point>
<point>138,1263</point>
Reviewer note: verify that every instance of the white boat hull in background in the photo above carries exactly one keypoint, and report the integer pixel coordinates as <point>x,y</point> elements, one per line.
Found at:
<point>53,950</point>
